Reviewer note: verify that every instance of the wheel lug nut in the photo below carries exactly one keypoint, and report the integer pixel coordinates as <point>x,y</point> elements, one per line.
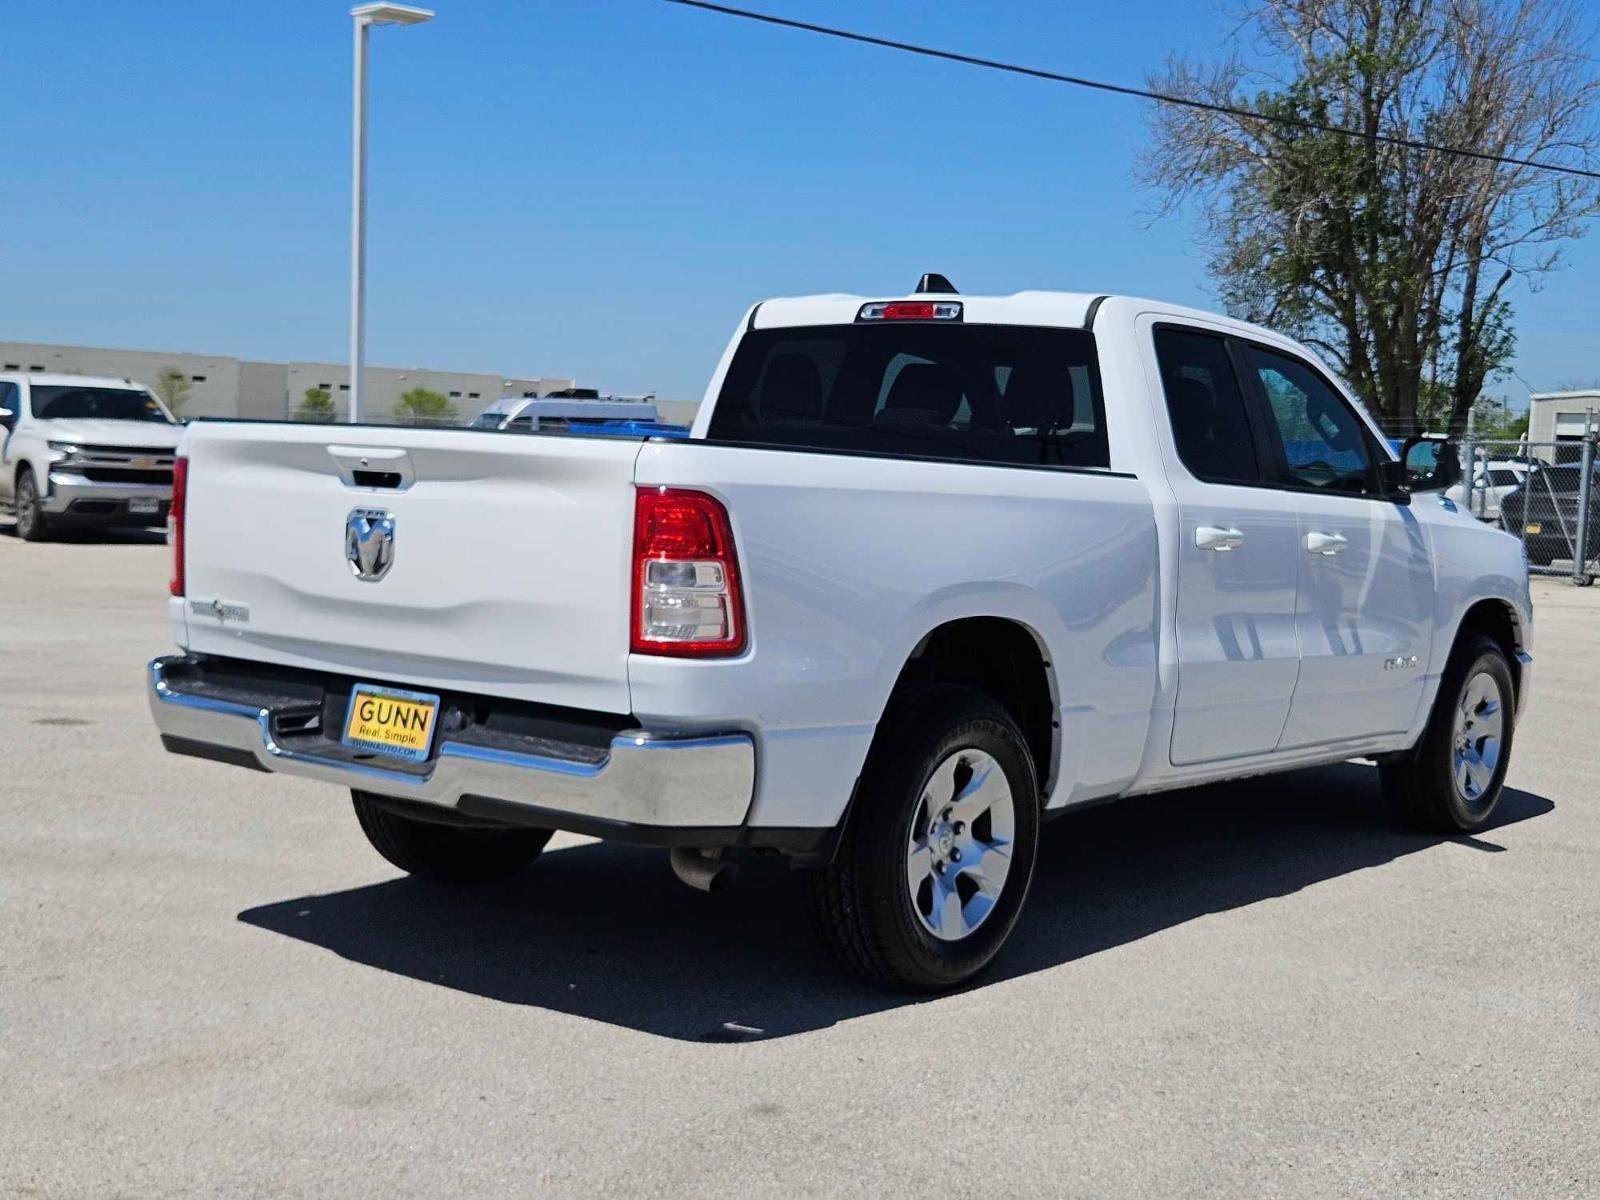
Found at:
<point>959,828</point>
<point>939,867</point>
<point>955,855</point>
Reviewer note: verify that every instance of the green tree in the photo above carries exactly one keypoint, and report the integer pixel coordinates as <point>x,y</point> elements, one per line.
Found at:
<point>316,405</point>
<point>1395,263</point>
<point>173,386</point>
<point>421,406</point>
<point>1493,421</point>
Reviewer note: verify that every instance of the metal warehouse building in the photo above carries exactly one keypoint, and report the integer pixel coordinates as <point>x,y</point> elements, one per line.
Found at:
<point>232,387</point>
<point>1560,416</point>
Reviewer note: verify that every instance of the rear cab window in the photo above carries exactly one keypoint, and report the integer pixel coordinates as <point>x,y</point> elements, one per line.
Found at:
<point>1021,395</point>
<point>1210,425</point>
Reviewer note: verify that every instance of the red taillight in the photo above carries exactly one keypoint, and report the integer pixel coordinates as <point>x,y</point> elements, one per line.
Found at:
<point>180,492</point>
<point>686,598</point>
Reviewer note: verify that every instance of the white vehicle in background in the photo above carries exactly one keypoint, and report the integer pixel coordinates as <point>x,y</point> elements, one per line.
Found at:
<point>530,415</point>
<point>927,571</point>
<point>76,450</point>
<point>1492,480</point>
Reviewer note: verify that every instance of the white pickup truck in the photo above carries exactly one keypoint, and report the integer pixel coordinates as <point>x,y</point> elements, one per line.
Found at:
<point>928,570</point>
<point>77,450</point>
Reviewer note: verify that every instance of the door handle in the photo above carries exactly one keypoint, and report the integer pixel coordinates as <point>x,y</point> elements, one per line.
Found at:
<point>1209,537</point>
<point>1326,544</point>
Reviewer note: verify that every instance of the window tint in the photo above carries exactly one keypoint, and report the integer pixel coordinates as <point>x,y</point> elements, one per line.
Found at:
<point>1500,477</point>
<point>1206,408</point>
<point>58,402</point>
<point>11,400</point>
<point>1324,442</point>
<point>989,393</point>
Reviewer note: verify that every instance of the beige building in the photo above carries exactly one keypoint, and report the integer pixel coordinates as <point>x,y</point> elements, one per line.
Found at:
<point>1561,416</point>
<point>229,387</point>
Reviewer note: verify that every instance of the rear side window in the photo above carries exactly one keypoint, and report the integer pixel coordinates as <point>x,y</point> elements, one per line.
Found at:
<point>1206,407</point>
<point>986,393</point>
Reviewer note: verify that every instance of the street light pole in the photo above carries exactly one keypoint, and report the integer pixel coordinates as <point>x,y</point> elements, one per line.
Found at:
<point>365,16</point>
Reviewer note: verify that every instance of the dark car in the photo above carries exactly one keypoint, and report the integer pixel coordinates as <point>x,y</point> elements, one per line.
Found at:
<point>1543,511</point>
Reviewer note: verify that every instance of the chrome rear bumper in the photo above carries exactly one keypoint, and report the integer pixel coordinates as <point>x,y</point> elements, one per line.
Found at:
<point>643,779</point>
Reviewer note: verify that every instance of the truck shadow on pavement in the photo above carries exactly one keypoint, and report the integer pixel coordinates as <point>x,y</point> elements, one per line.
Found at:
<point>90,535</point>
<point>606,931</point>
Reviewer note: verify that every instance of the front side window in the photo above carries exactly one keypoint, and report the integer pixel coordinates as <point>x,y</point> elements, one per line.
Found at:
<point>59,402</point>
<point>987,393</point>
<point>1209,424</point>
<point>1325,444</point>
<point>10,402</point>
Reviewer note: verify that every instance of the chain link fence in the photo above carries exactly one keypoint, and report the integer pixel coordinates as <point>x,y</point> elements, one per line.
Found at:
<point>1545,493</point>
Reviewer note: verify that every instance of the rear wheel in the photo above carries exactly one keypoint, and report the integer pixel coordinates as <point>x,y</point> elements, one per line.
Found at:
<point>1453,780</point>
<point>32,524</point>
<point>460,854</point>
<point>936,863</point>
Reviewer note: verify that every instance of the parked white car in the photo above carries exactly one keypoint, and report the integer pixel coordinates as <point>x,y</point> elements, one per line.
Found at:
<point>77,450</point>
<point>1493,479</point>
<point>528,414</point>
<point>928,570</point>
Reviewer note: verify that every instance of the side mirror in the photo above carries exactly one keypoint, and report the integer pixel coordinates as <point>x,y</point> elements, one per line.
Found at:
<point>1431,463</point>
<point>1392,481</point>
<point>6,414</point>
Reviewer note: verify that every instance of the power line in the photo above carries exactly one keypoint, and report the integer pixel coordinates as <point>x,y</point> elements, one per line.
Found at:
<point>1118,89</point>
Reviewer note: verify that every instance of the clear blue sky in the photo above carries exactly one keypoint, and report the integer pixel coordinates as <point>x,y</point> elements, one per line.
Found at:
<point>593,188</point>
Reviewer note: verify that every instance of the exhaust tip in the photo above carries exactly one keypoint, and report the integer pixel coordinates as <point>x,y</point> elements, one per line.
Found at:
<point>703,870</point>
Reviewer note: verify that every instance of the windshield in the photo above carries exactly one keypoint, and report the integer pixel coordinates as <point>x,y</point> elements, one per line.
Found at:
<point>488,420</point>
<point>59,402</point>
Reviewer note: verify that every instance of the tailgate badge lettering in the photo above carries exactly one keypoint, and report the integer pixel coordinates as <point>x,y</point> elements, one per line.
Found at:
<point>369,543</point>
<point>223,610</point>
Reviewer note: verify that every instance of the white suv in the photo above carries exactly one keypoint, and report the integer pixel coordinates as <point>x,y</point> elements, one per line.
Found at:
<point>77,450</point>
<point>1492,480</point>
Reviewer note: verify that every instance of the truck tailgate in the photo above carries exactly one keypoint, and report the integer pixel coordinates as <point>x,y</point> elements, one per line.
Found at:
<point>509,569</point>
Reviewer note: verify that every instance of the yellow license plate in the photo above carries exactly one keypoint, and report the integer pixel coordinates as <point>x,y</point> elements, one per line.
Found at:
<point>390,721</point>
<point>1533,527</point>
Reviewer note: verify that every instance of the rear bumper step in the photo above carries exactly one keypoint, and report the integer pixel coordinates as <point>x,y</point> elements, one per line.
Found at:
<point>639,785</point>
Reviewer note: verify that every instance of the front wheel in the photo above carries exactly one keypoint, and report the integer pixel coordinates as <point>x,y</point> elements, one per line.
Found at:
<point>460,854</point>
<point>1453,780</point>
<point>32,524</point>
<point>939,853</point>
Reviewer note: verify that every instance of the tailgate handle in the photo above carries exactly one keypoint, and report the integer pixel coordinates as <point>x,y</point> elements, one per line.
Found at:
<point>374,467</point>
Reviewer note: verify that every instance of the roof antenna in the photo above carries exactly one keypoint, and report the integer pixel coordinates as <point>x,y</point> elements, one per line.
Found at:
<point>935,283</point>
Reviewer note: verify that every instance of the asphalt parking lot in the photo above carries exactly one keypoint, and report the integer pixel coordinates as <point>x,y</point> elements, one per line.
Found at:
<point>211,985</point>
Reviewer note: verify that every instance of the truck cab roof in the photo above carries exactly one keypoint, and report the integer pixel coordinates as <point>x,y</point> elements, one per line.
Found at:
<point>1070,310</point>
<point>61,379</point>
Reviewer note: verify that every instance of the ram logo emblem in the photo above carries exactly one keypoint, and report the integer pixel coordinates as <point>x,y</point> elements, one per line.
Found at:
<point>369,543</point>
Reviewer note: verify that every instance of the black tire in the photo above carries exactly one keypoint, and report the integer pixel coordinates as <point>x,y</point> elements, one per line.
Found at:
<point>1422,789</point>
<point>862,904</point>
<point>32,524</point>
<point>458,854</point>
